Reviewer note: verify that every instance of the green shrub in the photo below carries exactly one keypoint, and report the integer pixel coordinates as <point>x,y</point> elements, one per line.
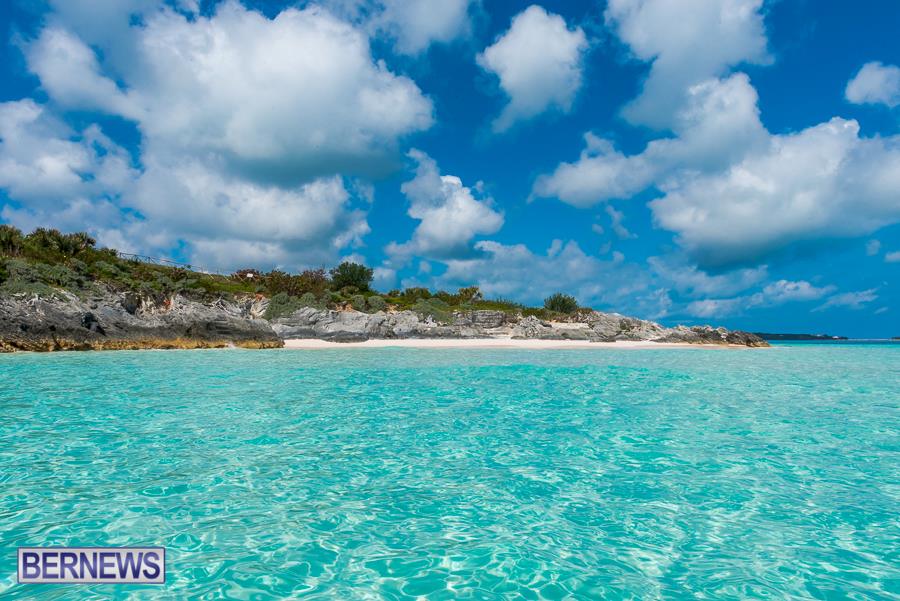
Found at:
<point>11,240</point>
<point>435,308</point>
<point>60,275</point>
<point>469,294</point>
<point>282,304</point>
<point>351,274</point>
<point>308,299</point>
<point>539,312</point>
<point>47,242</point>
<point>414,294</point>
<point>313,280</point>
<point>375,304</point>
<point>107,270</point>
<point>561,303</point>
<point>358,301</point>
<point>22,271</point>
<point>11,286</point>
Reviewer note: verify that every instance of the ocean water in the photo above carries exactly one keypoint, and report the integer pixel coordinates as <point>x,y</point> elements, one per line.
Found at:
<point>462,474</point>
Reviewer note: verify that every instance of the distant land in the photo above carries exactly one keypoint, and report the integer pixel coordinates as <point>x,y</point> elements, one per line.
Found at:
<point>60,292</point>
<point>768,336</point>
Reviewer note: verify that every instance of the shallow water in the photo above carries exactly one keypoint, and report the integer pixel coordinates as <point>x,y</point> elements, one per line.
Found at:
<point>382,473</point>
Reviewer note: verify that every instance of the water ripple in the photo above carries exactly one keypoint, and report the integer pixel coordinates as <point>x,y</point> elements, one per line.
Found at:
<point>460,474</point>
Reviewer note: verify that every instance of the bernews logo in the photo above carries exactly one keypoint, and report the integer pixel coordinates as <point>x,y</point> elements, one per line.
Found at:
<point>91,565</point>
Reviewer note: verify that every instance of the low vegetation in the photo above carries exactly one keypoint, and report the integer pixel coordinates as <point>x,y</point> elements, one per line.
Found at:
<point>47,261</point>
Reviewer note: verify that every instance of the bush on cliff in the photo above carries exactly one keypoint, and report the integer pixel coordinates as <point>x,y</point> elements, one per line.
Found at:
<point>561,303</point>
<point>358,302</point>
<point>434,308</point>
<point>351,274</point>
<point>375,304</point>
<point>282,304</point>
<point>11,240</point>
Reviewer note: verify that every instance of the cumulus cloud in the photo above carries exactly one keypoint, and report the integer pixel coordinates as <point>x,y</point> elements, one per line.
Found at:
<point>284,99</point>
<point>822,182</point>
<point>411,25</point>
<point>873,247</point>
<point>514,271</point>
<point>773,294</point>
<point>687,42</point>
<point>57,175</point>
<point>690,281</point>
<point>875,83</point>
<point>245,122</point>
<point>723,171</point>
<point>449,214</point>
<point>70,73</point>
<point>849,300</point>
<point>719,124</point>
<point>417,24</point>
<point>539,64</point>
<point>892,257</point>
<point>230,221</point>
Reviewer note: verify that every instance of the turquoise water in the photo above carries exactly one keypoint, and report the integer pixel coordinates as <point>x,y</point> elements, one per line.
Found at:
<point>443,474</point>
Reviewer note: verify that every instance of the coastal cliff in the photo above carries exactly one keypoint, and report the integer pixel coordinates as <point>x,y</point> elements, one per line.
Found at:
<point>116,321</point>
<point>60,292</point>
<point>108,320</point>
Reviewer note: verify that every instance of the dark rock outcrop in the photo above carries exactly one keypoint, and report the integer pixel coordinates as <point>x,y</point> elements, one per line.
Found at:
<point>112,321</point>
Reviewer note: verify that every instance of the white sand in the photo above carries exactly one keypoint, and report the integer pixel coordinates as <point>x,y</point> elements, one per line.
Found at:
<point>505,343</point>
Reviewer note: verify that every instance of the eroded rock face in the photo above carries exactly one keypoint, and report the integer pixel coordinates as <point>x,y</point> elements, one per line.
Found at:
<point>347,326</point>
<point>110,320</point>
<point>113,321</point>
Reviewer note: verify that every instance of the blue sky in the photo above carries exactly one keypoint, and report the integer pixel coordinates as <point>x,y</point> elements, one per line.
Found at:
<point>709,161</point>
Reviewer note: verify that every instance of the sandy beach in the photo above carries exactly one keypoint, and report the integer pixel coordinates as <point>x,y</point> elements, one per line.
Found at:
<point>483,343</point>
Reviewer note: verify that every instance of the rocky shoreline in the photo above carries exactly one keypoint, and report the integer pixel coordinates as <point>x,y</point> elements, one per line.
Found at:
<point>116,321</point>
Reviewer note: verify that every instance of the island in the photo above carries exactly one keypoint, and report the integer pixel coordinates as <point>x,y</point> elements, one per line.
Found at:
<point>61,292</point>
<point>798,337</point>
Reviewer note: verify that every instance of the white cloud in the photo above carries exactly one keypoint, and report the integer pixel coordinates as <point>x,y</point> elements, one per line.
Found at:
<point>59,176</point>
<point>873,247</point>
<point>539,63</point>
<point>688,280</point>
<point>784,291</point>
<point>719,124</point>
<point>875,83</point>
<point>291,98</point>
<point>723,171</point>
<point>411,25</point>
<point>449,214</point>
<point>514,271</point>
<point>850,300</point>
<point>230,221</point>
<point>773,294</point>
<point>416,24</point>
<point>70,73</point>
<point>892,257</point>
<point>821,182</point>
<point>687,42</point>
<point>284,99</point>
<point>616,222</point>
<point>244,120</point>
